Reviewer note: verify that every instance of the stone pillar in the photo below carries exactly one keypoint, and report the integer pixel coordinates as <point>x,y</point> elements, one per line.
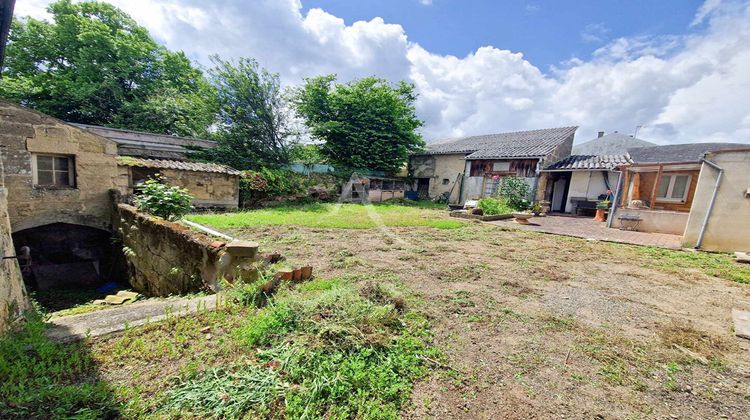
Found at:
<point>244,255</point>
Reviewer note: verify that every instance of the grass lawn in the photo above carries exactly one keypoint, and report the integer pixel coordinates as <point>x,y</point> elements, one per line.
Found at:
<point>469,322</point>
<point>336,216</point>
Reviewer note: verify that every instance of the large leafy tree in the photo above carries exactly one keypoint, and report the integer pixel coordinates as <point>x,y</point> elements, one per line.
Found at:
<point>368,124</point>
<point>254,128</point>
<point>94,64</point>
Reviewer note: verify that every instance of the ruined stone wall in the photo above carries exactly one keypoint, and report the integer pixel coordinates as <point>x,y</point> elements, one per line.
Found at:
<point>12,293</point>
<point>165,258</point>
<point>208,189</point>
<point>23,132</point>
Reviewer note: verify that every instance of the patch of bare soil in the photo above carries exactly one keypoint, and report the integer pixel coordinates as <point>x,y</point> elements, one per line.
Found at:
<point>539,326</point>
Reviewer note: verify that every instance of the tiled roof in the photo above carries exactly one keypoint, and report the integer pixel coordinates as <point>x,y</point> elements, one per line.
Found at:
<point>519,144</point>
<point>589,162</point>
<point>176,164</point>
<point>690,152</point>
<point>610,144</point>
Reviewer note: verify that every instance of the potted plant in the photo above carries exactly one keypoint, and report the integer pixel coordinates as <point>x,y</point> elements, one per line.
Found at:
<point>601,210</point>
<point>536,209</point>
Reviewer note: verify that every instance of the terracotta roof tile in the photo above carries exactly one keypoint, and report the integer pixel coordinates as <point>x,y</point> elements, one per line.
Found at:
<point>176,164</point>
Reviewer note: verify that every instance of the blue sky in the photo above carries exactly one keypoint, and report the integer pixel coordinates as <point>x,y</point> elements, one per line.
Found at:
<point>546,32</point>
<point>678,68</point>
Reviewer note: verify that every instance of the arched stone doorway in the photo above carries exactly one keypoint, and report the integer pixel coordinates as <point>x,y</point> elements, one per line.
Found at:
<point>69,263</point>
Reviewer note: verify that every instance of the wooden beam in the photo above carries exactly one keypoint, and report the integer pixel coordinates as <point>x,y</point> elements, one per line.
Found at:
<point>625,189</point>
<point>656,187</point>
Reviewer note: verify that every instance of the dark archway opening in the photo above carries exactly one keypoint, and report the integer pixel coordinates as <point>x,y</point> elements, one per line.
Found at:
<point>69,264</point>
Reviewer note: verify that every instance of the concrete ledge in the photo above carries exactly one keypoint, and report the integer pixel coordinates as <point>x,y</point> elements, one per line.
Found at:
<point>465,215</point>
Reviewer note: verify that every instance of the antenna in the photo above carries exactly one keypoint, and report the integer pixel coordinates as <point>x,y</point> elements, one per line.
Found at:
<point>637,127</point>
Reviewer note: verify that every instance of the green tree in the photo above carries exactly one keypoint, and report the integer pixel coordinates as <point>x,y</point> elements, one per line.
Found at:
<point>254,128</point>
<point>94,64</point>
<point>306,154</point>
<point>366,124</point>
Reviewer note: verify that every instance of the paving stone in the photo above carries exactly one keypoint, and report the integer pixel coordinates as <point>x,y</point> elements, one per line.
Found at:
<point>587,228</point>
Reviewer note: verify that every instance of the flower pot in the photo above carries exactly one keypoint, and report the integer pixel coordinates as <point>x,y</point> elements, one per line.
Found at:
<point>522,218</point>
<point>600,215</point>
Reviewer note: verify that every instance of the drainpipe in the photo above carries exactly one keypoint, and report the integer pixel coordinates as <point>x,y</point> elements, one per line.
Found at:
<point>710,203</point>
<point>615,199</point>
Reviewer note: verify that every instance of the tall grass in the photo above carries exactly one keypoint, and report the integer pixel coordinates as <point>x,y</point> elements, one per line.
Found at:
<point>335,216</point>
<point>326,349</point>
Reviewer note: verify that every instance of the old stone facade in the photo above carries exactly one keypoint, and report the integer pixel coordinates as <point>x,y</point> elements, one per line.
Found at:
<point>81,198</point>
<point>212,186</point>
<point>12,292</point>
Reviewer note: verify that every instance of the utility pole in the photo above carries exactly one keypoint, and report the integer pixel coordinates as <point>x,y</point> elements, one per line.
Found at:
<point>6,16</point>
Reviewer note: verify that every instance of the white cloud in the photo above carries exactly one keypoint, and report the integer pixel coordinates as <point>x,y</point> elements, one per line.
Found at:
<point>594,33</point>
<point>681,88</point>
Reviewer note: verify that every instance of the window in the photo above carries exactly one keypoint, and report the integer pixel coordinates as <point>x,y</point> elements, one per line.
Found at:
<point>54,171</point>
<point>446,181</point>
<point>673,188</point>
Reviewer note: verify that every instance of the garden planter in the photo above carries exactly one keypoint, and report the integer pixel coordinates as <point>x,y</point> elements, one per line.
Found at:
<point>522,218</point>
<point>306,272</point>
<point>600,215</point>
<point>297,274</point>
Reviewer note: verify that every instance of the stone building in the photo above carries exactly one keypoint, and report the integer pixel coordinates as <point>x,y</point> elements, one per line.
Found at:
<point>471,167</point>
<point>58,178</point>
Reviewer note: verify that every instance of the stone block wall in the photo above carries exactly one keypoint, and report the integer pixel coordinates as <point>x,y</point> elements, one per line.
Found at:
<point>12,293</point>
<point>24,132</point>
<point>166,258</point>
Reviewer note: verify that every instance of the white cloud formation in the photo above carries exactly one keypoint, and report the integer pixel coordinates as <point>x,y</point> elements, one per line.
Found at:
<point>682,88</point>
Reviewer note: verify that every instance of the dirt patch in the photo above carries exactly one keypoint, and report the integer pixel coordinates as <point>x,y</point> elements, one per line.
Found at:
<point>537,326</point>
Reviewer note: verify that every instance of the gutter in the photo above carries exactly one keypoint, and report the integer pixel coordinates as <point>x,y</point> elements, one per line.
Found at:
<point>710,203</point>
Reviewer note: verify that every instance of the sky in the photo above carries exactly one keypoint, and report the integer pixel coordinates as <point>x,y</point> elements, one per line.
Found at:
<point>679,69</point>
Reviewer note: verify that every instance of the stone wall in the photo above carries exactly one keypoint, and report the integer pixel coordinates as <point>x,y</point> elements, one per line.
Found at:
<point>439,168</point>
<point>24,132</point>
<point>209,189</point>
<point>166,258</point>
<point>12,293</point>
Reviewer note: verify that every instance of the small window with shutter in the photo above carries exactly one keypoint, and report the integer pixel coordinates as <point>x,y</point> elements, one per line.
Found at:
<point>53,170</point>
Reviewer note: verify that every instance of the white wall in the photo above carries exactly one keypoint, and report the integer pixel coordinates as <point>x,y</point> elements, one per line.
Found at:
<point>728,226</point>
<point>589,184</point>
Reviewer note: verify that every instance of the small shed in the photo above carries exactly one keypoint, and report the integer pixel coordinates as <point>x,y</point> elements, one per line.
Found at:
<point>212,186</point>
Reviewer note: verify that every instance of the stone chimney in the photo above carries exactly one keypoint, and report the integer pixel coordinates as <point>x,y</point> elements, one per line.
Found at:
<point>600,135</point>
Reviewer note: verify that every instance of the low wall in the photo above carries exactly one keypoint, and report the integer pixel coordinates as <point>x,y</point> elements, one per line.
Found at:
<point>658,221</point>
<point>166,258</point>
<point>12,291</point>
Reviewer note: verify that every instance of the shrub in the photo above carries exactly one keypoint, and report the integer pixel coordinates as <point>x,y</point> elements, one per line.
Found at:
<point>494,206</point>
<point>268,184</point>
<point>166,201</point>
<point>515,191</point>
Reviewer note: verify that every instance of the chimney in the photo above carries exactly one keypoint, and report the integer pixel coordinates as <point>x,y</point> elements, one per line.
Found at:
<point>601,134</point>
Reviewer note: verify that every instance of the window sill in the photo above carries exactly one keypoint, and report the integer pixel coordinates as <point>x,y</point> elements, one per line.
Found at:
<point>666,200</point>
<point>54,188</point>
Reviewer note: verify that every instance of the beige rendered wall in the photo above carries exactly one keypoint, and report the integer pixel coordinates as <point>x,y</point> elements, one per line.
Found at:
<point>657,221</point>
<point>728,227</point>
<point>12,292</point>
<point>24,132</point>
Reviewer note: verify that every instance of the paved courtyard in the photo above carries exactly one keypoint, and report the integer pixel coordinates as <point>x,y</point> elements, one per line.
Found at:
<point>586,227</point>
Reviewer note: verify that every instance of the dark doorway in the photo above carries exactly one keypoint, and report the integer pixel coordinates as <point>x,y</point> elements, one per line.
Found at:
<point>560,187</point>
<point>423,187</point>
<point>69,263</point>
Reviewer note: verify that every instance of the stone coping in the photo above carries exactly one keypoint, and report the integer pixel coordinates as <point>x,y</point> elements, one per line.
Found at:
<point>465,215</point>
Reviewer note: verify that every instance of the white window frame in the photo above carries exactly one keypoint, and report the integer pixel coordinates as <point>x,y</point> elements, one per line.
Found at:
<point>670,189</point>
<point>71,170</point>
